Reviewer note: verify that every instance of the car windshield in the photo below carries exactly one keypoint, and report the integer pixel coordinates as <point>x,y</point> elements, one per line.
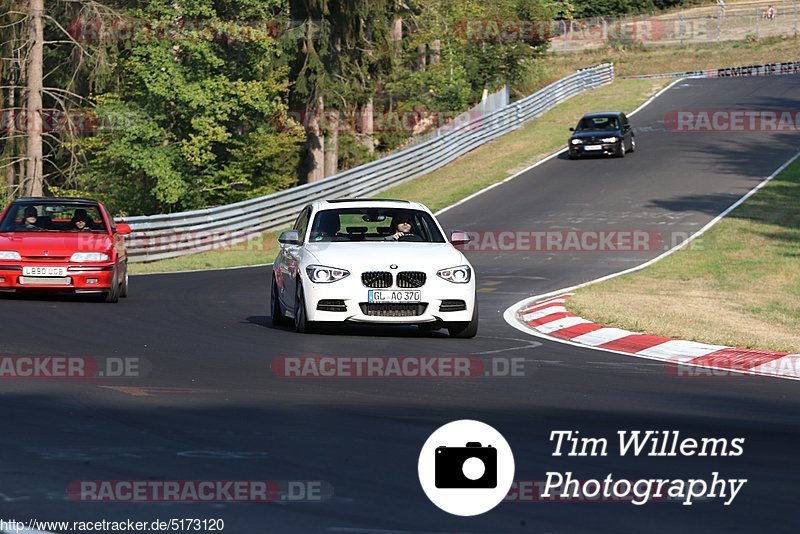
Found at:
<point>52,217</point>
<point>597,123</point>
<point>375,224</point>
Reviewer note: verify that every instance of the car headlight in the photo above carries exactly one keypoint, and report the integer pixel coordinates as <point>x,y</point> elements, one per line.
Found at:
<point>576,141</point>
<point>9,255</point>
<point>80,257</point>
<point>610,139</point>
<point>321,274</point>
<point>458,275</point>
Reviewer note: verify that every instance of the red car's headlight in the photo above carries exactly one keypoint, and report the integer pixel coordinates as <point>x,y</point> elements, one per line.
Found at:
<point>80,257</point>
<point>9,255</point>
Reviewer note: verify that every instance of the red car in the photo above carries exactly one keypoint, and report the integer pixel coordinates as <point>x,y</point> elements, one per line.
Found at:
<point>62,244</point>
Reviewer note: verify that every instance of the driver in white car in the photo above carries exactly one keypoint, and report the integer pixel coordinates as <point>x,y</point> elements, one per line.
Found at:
<point>402,225</point>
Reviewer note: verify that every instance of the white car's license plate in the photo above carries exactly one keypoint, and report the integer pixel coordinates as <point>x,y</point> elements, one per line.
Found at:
<point>56,272</point>
<point>394,296</point>
<point>593,147</point>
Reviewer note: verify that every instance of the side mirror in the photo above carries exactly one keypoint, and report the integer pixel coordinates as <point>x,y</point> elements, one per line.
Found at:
<point>123,228</point>
<point>572,129</point>
<point>459,238</point>
<point>289,237</point>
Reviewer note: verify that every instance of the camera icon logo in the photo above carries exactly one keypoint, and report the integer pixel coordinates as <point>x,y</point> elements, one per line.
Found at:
<point>466,467</point>
<point>472,466</point>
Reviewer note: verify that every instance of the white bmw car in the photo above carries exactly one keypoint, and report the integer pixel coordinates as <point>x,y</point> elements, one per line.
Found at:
<point>373,261</point>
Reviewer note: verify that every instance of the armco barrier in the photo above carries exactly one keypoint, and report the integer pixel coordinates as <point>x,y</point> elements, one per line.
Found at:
<point>157,237</point>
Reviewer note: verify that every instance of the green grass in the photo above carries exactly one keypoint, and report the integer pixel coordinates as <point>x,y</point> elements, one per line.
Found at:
<point>257,250</point>
<point>739,285</point>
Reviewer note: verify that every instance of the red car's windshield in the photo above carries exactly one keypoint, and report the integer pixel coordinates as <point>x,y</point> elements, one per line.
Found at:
<point>53,217</point>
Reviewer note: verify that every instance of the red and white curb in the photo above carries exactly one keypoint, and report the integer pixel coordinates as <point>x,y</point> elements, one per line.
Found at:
<point>550,319</point>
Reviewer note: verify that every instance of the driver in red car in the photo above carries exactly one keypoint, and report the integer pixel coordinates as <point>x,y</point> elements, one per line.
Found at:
<point>80,220</point>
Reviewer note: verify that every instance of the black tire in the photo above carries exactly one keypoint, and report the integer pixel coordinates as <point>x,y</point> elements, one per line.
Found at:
<point>113,295</point>
<point>278,318</point>
<point>465,330</point>
<point>621,149</point>
<point>123,287</point>
<point>632,148</point>
<point>301,323</point>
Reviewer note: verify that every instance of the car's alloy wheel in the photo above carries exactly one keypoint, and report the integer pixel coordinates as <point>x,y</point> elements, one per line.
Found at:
<point>112,296</point>
<point>465,330</point>
<point>621,149</point>
<point>278,319</point>
<point>123,288</point>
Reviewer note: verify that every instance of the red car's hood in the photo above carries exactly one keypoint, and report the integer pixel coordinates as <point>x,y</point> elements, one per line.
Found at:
<point>55,243</point>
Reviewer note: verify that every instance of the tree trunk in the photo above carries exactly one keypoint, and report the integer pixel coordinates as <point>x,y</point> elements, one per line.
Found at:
<point>10,144</point>
<point>332,143</point>
<point>368,126</point>
<point>315,142</point>
<point>436,52</point>
<point>397,29</point>
<point>34,174</point>
<point>422,56</point>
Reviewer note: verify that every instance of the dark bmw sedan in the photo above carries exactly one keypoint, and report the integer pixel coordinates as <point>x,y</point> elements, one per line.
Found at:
<point>605,133</point>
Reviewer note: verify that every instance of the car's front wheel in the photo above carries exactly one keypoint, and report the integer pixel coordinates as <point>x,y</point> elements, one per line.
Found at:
<point>465,330</point>
<point>278,319</point>
<point>301,322</point>
<point>123,287</point>
<point>621,149</point>
<point>112,295</point>
<point>633,144</point>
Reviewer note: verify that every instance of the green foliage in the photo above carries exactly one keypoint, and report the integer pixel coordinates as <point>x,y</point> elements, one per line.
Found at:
<point>193,124</point>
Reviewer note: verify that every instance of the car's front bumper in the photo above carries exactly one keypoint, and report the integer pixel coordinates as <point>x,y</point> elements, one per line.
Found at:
<point>606,149</point>
<point>80,278</point>
<point>438,298</point>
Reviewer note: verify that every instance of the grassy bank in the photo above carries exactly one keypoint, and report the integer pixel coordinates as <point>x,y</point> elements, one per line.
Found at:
<point>739,286</point>
<point>664,59</point>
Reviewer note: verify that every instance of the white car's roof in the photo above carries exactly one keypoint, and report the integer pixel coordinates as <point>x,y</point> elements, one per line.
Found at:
<point>368,203</point>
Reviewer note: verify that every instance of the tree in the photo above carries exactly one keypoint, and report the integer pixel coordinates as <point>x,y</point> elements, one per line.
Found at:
<point>200,116</point>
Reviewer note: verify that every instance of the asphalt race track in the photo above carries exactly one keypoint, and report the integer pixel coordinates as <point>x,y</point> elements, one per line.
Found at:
<point>211,409</point>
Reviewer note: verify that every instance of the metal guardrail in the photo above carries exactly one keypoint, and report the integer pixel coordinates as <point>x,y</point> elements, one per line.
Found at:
<point>164,236</point>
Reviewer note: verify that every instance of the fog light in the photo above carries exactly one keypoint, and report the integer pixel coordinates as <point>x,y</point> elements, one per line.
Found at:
<point>91,280</point>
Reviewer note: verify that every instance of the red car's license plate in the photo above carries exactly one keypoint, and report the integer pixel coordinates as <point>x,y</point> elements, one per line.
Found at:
<point>56,272</point>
